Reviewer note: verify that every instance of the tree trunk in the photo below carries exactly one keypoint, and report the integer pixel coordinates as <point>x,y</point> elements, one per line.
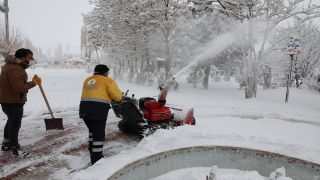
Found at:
<point>267,76</point>
<point>195,77</point>
<point>140,77</point>
<point>205,82</point>
<point>297,78</point>
<point>147,54</point>
<point>120,70</point>
<point>250,87</point>
<point>168,61</point>
<point>250,79</point>
<point>131,74</point>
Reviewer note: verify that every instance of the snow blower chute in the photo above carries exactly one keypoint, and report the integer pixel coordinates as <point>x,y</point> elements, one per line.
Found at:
<point>146,115</point>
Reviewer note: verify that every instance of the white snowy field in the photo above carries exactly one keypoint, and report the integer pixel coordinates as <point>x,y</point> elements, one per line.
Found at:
<point>223,118</point>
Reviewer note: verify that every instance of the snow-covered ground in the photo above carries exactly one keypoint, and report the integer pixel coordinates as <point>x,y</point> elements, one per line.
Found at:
<point>199,173</point>
<point>223,118</point>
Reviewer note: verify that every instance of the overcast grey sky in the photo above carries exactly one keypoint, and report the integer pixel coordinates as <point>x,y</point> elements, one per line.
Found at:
<point>49,22</point>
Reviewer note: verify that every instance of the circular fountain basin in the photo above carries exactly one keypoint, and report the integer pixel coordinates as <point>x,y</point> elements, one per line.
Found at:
<point>224,157</point>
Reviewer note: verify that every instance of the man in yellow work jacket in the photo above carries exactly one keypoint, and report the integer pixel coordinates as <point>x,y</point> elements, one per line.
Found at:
<point>97,93</point>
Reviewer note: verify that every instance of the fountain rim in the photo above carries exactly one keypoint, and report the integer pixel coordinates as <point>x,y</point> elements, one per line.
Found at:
<point>261,153</point>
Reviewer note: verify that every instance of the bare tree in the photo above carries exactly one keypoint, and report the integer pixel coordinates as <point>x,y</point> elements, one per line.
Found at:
<point>16,40</point>
<point>49,53</point>
<point>37,52</point>
<point>58,54</point>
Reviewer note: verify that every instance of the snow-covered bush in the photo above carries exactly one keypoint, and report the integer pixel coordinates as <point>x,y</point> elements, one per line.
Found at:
<point>195,77</point>
<point>279,174</point>
<point>312,84</point>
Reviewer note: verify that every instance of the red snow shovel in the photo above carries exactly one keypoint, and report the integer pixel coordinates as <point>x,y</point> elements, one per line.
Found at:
<point>53,123</point>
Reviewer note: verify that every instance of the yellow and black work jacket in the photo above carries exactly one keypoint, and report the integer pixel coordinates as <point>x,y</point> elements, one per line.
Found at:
<point>97,93</point>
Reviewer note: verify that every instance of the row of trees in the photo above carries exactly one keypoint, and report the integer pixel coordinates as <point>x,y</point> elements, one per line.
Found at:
<point>139,32</point>
<point>135,33</point>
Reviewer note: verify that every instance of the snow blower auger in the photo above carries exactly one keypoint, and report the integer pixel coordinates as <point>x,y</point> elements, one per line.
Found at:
<point>146,115</point>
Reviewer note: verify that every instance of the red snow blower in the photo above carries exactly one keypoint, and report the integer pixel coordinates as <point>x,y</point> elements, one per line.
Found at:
<point>146,115</point>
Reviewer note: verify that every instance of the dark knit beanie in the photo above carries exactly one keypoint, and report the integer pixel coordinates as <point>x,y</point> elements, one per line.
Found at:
<point>101,69</point>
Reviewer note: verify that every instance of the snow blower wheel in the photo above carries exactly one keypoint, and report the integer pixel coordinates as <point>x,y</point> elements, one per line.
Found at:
<point>122,126</point>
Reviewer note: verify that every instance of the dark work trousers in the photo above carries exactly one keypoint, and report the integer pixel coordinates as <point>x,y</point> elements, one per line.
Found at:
<point>14,113</point>
<point>96,138</point>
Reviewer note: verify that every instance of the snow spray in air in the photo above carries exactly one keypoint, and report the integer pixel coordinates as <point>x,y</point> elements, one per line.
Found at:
<point>214,47</point>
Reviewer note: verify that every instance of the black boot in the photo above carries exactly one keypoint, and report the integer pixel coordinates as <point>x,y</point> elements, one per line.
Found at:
<point>18,152</point>
<point>6,146</point>
<point>94,159</point>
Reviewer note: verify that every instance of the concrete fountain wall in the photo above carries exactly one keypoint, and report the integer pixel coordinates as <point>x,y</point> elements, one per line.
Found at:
<point>224,157</point>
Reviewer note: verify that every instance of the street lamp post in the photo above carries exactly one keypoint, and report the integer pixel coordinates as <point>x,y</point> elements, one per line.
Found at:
<point>289,79</point>
<point>293,48</point>
<point>5,9</point>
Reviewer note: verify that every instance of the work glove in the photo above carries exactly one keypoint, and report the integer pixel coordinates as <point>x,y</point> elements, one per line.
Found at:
<point>121,102</point>
<point>37,79</point>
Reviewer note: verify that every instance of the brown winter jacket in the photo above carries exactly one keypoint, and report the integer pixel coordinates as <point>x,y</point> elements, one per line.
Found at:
<point>13,82</point>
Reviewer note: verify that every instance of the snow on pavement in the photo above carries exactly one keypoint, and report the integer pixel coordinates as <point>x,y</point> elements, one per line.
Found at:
<point>223,118</point>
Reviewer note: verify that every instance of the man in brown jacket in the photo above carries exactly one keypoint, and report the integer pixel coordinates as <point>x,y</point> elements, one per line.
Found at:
<point>13,95</point>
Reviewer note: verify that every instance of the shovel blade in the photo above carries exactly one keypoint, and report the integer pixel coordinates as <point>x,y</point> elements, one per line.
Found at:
<point>54,123</point>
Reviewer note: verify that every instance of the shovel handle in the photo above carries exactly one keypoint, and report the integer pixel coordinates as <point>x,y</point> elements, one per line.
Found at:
<point>44,97</point>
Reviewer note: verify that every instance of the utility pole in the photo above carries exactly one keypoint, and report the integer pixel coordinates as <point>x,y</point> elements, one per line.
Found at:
<point>7,20</point>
